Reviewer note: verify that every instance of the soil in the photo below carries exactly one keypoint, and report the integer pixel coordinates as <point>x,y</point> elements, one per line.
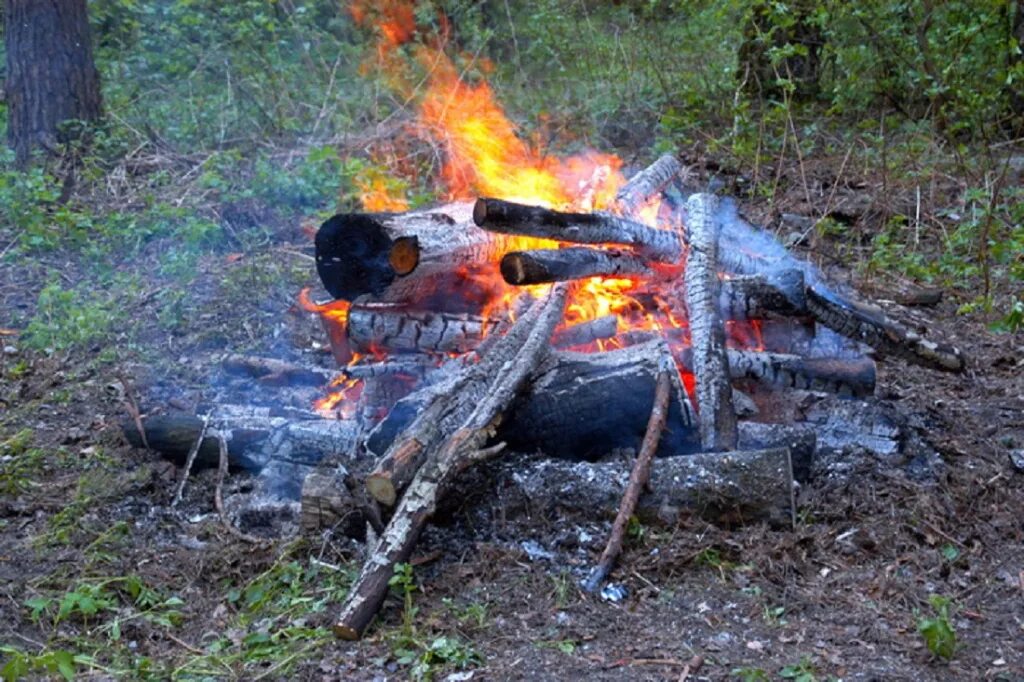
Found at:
<point>839,596</point>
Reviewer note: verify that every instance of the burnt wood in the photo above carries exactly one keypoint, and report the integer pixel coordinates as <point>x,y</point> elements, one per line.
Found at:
<point>750,297</point>
<point>506,217</point>
<point>374,328</point>
<point>583,333</point>
<point>707,334</point>
<point>559,265</point>
<point>568,413</point>
<point>369,253</point>
<point>888,338</point>
<point>456,452</point>
<point>847,377</point>
<point>646,184</point>
<point>726,488</point>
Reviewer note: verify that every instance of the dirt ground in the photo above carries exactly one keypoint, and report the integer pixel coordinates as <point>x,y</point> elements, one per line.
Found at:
<point>840,596</point>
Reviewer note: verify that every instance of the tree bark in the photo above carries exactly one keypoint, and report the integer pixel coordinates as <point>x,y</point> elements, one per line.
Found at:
<point>51,76</point>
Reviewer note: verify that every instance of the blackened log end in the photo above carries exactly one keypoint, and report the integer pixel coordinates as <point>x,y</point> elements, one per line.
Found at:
<point>352,255</point>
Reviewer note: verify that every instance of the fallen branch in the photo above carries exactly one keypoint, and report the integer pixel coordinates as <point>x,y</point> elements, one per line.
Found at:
<point>463,449</point>
<point>218,499</point>
<point>638,480</point>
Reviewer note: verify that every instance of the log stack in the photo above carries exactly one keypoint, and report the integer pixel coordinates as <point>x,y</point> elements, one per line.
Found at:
<point>455,367</point>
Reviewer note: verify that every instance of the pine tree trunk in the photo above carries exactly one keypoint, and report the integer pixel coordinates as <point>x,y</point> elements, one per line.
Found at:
<point>51,76</point>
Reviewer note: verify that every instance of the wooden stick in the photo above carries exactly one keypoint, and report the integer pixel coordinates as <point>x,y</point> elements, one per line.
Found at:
<point>218,500</point>
<point>850,377</point>
<point>710,363</point>
<point>189,459</point>
<point>578,262</point>
<point>455,454</point>
<point>646,184</point>
<point>507,217</point>
<point>638,480</point>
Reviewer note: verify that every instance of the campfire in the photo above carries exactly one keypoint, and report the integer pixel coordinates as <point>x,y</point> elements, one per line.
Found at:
<point>552,306</point>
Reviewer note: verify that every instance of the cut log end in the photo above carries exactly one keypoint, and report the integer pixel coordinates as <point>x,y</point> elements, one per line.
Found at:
<point>348,250</point>
<point>381,489</point>
<point>404,256</point>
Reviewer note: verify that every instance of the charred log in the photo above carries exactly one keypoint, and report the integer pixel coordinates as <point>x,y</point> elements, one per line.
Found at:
<point>586,332</point>
<point>365,253</point>
<point>496,215</point>
<point>884,335</point>
<point>566,411</point>
<point>398,329</point>
<point>725,488</point>
<point>848,377</point>
<point>275,372</point>
<point>253,439</point>
<point>646,184</point>
<point>559,265</point>
<point>749,297</point>
<point>710,363</point>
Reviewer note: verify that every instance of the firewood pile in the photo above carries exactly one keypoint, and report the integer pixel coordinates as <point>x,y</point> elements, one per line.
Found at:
<point>470,329</point>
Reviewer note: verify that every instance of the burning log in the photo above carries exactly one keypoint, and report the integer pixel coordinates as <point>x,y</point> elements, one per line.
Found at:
<point>646,184</point>
<point>374,327</point>
<point>559,265</point>
<point>876,330</point>
<point>853,377</point>
<point>565,413</point>
<point>710,363</point>
<point>365,253</point>
<point>749,486</point>
<point>586,332</point>
<point>458,451</point>
<point>751,297</point>
<point>496,215</point>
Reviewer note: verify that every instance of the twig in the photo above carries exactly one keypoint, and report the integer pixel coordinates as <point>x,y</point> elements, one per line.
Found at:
<point>185,645</point>
<point>193,451</point>
<point>132,406</point>
<point>638,479</point>
<point>691,667</point>
<point>218,499</point>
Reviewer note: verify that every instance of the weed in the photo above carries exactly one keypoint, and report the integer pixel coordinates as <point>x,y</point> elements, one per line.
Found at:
<point>19,463</point>
<point>709,556</point>
<point>938,633</point>
<point>474,613</point>
<point>799,672</point>
<point>563,588</point>
<point>748,674</point>
<point>772,615</point>
<point>66,319</point>
<point>566,646</point>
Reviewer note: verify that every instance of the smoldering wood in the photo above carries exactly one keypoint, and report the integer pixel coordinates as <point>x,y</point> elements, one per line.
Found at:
<point>567,413</point>
<point>418,423</point>
<point>417,366</point>
<point>800,439</point>
<point>506,217</point>
<point>731,488</point>
<point>253,439</point>
<point>365,253</point>
<point>583,333</point>
<point>275,372</point>
<point>750,297</point>
<point>638,479</point>
<point>858,322</point>
<point>392,328</point>
<point>457,452</point>
<point>707,334</point>
<point>558,265</point>
<point>847,377</point>
<point>647,184</point>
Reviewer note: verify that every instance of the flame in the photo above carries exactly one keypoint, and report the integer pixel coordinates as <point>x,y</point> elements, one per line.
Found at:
<point>335,311</point>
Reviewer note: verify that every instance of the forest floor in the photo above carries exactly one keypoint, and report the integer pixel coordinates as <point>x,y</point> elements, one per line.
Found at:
<point>98,573</point>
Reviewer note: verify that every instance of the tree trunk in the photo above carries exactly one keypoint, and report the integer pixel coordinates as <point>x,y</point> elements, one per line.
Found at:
<point>51,76</point>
